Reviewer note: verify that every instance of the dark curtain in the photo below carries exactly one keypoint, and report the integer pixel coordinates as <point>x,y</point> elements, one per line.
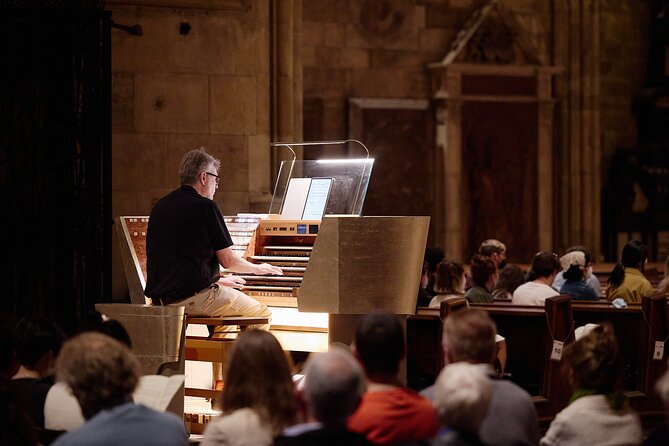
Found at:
<point>55,178</point>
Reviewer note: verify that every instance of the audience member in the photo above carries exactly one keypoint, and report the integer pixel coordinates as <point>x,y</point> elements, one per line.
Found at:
<point>469,336</point>
<point>659,436</point>
<point>333,386</point>
<point>102,374</point>
<point>544,269</point>
<point>389,412</point>
<point>484,277</point>
<point>37,340</point>
<point>496,250</point>
<point>627,280</point>
<point>16,427</point>
<point>510,278</point>
<point>449,282</point>
<point>599,412</point>
<point>433,256</point>
<point>573,266</point>
<point>61,408</point>
<point>590,279</point>
<point>462,396</point>
<point>258,396</point>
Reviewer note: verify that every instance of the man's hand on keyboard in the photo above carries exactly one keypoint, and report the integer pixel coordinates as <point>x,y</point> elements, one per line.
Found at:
<point>231,281</point>
<point>267,269</point>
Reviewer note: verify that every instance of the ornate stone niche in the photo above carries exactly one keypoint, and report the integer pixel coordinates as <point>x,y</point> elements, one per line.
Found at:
<point>494,101</point>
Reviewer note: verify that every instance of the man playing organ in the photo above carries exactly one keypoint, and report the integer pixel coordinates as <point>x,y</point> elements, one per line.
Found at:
<point>187,240</point>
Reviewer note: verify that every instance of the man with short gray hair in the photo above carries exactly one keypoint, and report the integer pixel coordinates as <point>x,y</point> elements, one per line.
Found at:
<point>333,386</point>
<point>469,336</point>
<point>187,240</point>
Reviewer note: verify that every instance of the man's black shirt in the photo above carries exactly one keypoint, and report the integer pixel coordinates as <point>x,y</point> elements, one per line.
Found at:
<point>185,231</point>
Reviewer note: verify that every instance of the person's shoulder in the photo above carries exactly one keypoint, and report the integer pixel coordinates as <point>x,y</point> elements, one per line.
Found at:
<point>510,392</point>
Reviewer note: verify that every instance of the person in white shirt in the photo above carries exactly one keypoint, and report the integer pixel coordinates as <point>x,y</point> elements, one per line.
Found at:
<point>545,267</point>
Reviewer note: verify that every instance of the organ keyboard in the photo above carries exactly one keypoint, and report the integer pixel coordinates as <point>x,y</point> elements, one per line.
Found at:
<point>287,244</point>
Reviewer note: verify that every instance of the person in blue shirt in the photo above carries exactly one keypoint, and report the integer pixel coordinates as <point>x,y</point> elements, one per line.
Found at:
<point>573,266</point>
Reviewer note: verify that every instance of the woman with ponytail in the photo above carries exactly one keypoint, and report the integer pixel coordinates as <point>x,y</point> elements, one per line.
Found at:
<point>598,413</point>
<point>627,280</point>
<point>449,282</point>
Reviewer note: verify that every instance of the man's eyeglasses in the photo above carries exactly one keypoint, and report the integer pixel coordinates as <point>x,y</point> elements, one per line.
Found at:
<point>218,179</point>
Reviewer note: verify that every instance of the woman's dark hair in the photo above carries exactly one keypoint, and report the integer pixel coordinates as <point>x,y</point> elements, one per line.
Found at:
<point>595,361</point>
<point>573,274</point>
<point>258,376</point>
<point>482,268</point>
<point>35,336</point>
<point>510,278</point>
<point>449,277</point>
<point>634,256</point>
<point>544,264</point>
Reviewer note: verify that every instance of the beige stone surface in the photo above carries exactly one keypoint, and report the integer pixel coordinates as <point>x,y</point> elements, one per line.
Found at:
<point>333,34</point>
<point>138,161</point>
<point>313,33</point>
<point>258,157</point>
<point>232,203</point>
<point>234,105</point>
<point>171,103</point>
<point>354,58</point>
<point>123,102</point>
<point>217,43</point>
<point>389,83</point>
<point>231,150</point>
<point>436,39</point>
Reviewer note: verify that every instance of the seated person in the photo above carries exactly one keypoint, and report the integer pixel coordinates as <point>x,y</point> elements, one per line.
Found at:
<point>462,396</point>
<point>103,374</point>
<point>573,265</point>
<point>627,280</point>
<point>510,278</point>
<point>333,385</point>
<point>599,412</point>
<point>545,266</point>
<point>258,396</point>
<point>484,277</point>
<point>389,412</point>
<point>469,336</point>
<point>590,279</point>
<point>187,242</point>
<point>38,341</point>
<point>449,282</point>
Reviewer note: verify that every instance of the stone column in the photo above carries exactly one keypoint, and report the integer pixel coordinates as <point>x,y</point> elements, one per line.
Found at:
<point>576,48</point>
<point>285,80</point>
<point>452,156</point>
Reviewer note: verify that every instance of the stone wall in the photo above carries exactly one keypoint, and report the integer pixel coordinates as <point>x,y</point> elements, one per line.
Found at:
<point>174,91</point>
<point>380,49</point>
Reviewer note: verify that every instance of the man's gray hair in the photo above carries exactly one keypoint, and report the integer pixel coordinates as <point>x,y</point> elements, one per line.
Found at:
<point>469,335</point>
<point>462,396</point>
<point>195,162</point>
<point>333,385</point>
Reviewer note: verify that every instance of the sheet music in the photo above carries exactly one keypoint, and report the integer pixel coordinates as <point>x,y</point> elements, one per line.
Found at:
<point>296,197</point>
<point>317,198</point>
